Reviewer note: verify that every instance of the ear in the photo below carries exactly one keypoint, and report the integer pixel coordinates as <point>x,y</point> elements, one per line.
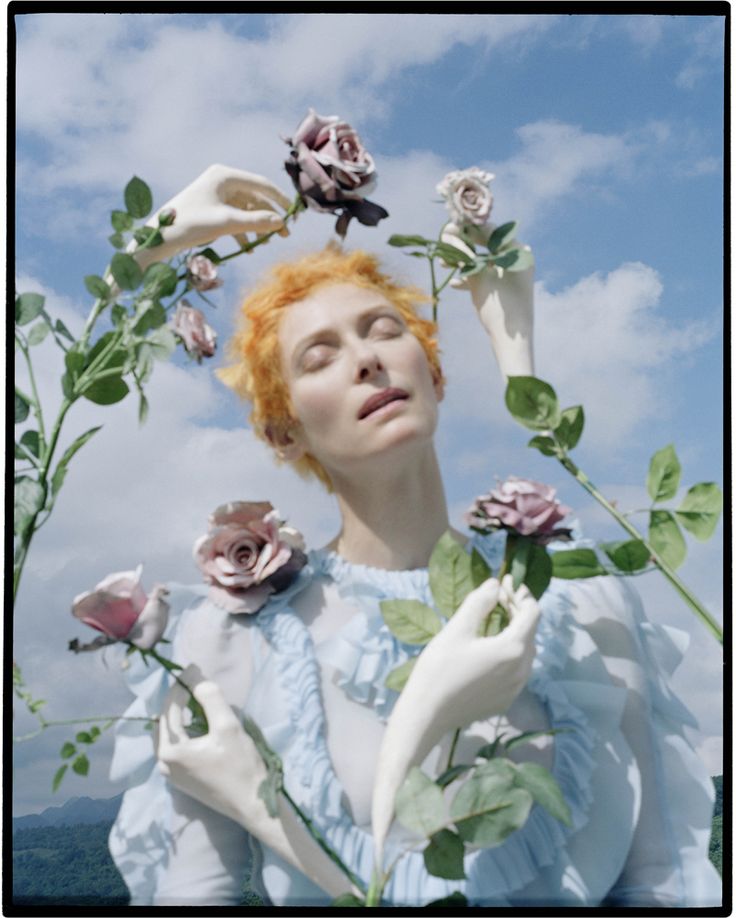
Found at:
<point>439,387</point>
<point>285,440</point>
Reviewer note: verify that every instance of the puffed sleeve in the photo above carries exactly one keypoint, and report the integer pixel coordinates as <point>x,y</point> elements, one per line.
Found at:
<point>668,863</point>
<point>169,848</point>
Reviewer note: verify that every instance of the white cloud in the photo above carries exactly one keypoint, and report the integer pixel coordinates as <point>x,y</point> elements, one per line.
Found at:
<point>706,48</point>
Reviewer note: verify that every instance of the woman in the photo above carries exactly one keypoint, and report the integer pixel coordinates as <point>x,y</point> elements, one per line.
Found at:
<point>345,383</point>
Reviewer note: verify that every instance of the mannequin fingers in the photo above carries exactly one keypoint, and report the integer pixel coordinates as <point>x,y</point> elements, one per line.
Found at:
<point>241,239</point>
<point>475,607</point>
<point>236,180</point>
<point>218,712</point>
<point>236,220</point>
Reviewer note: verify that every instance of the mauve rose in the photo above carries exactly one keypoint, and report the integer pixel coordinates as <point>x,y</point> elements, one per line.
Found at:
<point>520,505</point>
<point>468,196</point>
<point>332,170</point>
<point>119,608</point>
<point>247,555</point>
<point>189,324</point>
<point>202,273</point>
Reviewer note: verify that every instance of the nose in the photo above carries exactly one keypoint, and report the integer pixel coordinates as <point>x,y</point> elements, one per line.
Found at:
<point>368,363</point>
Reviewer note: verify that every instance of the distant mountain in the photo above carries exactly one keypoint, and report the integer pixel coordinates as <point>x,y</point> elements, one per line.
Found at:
<point>76,811</point>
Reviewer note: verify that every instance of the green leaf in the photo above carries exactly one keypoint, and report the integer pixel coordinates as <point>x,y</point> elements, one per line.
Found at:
<point>538,570</point>
<point>68,750</point>
<point>212,255</point>
<point>62,330</point>
<point>268,791</point>
<point>160,279</point>
<point>32,442</point>
<point>80,765</point>
<point>490,749</point>
<point>452,255</point>
<point>400,241</point>
<point>84,737</point>
<point>57,479</point>
<point>118,314</point>
<point>515,260</point>
<point>150,314</point>
<point>443,856</point>
<point>58,778</point>
<point>454,900</point>
<point>576,563</point>
<point>533,402</point>
<point>450,574</point>
<point>138,198</point>
<point>519,560</point>
<point>121,221</point>
<point>348,900</point>
<point>410,621</point>
<point>545,445</point>
<point>479,569</point>
<point>29,498</point>
<point>39,331</point>
<point>97,286</point>
<point>538,781</point>
<point>114,359</point>
<point>570,428</point>
<point>666,538</point>
<point>74,362</point>
<point>162,343</point>
<point>148,236</point>
<point>28,306</point>
<point>701,509</point>
<point>450,774</point>
<point>117,241</point>
<point>95,732</point>
<point>22,407</point>
<point>475,267</point>
<point>420,805</point>
<point>501,236</point>
<point>107,391</point>
<point>142,408</point>
<point>126,271</point>
<point>664,474</point>
<point>488,808</point>
<point>628,556</point>
<point>398,677</point>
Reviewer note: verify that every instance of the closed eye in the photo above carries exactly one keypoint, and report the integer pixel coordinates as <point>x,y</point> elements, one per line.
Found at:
<point>386,327</point>
<point>316,357</point>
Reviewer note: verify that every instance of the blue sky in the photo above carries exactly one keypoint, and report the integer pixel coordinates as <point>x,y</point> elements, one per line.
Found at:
<point>605,134</point>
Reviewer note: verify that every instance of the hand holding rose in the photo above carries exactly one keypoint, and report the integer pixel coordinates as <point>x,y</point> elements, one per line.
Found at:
<point>222,201</point>
<point>460,677</point>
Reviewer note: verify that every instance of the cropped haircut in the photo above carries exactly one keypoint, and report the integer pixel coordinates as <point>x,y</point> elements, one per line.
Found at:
<point>255,372</point>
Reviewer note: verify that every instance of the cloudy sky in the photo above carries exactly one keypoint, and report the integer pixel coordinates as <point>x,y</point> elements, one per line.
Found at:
<point>605,134</point>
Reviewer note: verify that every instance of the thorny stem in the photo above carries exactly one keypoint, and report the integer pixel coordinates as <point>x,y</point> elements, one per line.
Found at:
<point>681,588</point>
<point>77,720</point>
<point>321,841</point>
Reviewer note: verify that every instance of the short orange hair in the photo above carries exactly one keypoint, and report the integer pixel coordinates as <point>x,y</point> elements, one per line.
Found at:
<point>256,373</point>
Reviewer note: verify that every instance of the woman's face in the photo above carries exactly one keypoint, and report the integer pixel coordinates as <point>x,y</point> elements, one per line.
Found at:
<point>359,380</point>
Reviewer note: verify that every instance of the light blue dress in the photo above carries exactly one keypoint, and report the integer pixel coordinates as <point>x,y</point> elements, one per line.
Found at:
<point>641,801</point>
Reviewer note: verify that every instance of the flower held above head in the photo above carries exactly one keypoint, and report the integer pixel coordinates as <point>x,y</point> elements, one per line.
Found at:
<point>189,324</point>
<point>519,505</point>
<point>468,196</point>
<point>120,609</point>
<point>247,555</point>
<point>332,171</point>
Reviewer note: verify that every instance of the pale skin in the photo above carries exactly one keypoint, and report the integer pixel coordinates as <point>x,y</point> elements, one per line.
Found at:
<point>342,346</point>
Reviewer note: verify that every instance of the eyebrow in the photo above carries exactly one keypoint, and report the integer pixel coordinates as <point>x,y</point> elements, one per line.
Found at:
<point>315,337</point>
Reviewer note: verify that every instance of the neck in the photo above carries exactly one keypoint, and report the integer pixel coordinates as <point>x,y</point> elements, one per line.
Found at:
<point>392,517</point>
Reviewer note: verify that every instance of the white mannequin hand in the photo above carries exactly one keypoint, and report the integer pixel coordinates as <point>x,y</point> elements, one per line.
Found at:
<point>460,677</point>
<point>221,201</point>
<point>223,769</point>
<point>505,306</point>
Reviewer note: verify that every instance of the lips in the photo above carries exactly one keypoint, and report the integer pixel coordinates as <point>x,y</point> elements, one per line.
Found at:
<point>380,399</point>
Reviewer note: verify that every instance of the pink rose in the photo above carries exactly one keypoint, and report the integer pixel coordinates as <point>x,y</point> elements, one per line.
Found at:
<point>468,196</point>
<point>119,607</point>
<point>332,170</point>
<point>522,506</point>
<point>247,555</point>
<point>202,273</point>
<point>189,324</point>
